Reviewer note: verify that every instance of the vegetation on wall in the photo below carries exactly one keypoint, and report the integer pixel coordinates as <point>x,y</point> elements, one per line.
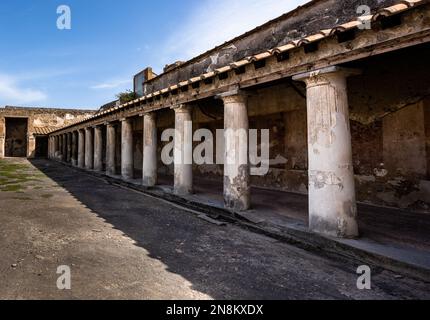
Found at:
<point>126,96</point>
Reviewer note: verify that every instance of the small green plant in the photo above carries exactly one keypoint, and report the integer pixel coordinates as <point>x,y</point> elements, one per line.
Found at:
<point>127,96</point>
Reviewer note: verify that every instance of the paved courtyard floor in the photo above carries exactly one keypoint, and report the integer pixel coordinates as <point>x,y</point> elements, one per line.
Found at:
<point>121,244</point>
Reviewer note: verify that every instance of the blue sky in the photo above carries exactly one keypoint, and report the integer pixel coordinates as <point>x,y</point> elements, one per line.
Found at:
<point>109,42</point>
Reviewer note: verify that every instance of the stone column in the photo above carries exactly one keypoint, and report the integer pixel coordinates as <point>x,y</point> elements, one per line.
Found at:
<point>31,145</point>
<point>49,147</point>
<point>63,147</point>
<point>56,147</point>
<point>98,149</point>
<point>127,165</point>
<point>69,147</point>
<point>236,158</point>
<point>81,148</point>
<point>332,204</point>
<point>66,142</point>
<point>89,149</point>
<point>74,149</point>
<point>150,149</point>
<point>60,148</point>
<point>110,149</point>
<point>183,152</point>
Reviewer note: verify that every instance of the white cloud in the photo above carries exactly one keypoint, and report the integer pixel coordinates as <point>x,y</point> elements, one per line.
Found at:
<point>214,22</point>
<point>111,85</point>
<point>40,74</point>
<point>13,93</point>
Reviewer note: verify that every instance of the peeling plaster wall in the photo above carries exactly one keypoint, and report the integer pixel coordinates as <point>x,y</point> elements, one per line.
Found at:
<point>404,141</point>
<point>400,158</point>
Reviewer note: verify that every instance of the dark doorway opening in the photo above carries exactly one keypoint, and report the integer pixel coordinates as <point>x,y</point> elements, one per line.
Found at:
<point>16,137</point>
<point>41,147</point>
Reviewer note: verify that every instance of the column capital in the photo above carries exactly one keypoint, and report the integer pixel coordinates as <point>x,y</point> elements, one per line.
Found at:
<point>125,119</point>
<point>233,96</point>
<point>182,108</point>
<point>323,75</point>
<point>150,115</point>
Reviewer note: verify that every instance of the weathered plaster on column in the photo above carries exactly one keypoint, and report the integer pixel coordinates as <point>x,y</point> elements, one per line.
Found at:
<point>98,149</point>
<point>236,163</point>
<point>49,147</point>
<point>81,148</point>
<point>89,149</point>
<point>332,204</point>
<point>69,147</point>
<point>183,150</point>
<point>74,148</point>
<point>150,149</point>
<point>63,148</point>
<point>110,149</point>
<point>56,147</point>
<point>127,149</point>
<point>31,147</point>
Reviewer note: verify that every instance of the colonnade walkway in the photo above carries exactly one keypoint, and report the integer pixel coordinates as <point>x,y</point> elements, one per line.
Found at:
<point>399,235</point>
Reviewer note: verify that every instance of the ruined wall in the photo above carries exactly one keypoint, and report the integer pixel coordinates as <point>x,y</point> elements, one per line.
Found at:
<point>40,122</point>
<point>405,130</point>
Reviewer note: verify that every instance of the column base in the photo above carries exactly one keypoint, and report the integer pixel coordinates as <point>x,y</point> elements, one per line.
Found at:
<point>127,177</point>
<point>149,182</point>
<point>236,198</point>
<point>182,191</point>
<point>339,229</point>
